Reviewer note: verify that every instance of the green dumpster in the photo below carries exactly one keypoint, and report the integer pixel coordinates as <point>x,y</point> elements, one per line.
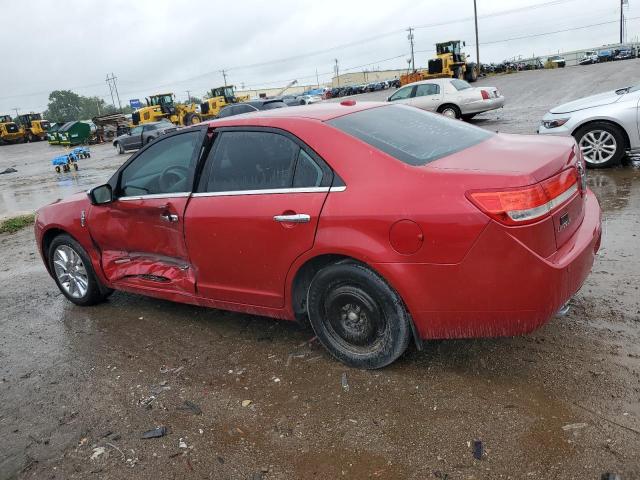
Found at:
<point>74,133</point>
<point>52,133</point>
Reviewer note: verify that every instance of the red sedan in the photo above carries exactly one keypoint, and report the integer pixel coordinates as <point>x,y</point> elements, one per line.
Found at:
<point>376,223</point>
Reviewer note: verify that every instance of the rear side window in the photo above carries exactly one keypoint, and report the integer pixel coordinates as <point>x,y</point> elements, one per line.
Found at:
<point>427,89</point>
<point>411,135</point>
<point>252,161</point>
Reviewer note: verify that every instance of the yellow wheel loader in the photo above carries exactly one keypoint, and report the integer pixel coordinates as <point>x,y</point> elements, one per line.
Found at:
<point>9,131</point>
<point>163,106</point>
<point>450,62</point>
<point>33,127</point>
<point>218,98</point>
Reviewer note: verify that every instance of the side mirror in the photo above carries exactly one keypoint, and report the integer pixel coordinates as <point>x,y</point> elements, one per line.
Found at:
<point>389,98</point>
<point>101,195</point>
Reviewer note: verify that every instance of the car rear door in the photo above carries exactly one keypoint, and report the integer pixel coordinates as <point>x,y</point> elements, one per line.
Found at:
<point>141,233</point>
<point>427,96</point>
<point>255,211</point>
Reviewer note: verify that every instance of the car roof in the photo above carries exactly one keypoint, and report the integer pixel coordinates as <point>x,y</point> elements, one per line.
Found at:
<point>320,111</point>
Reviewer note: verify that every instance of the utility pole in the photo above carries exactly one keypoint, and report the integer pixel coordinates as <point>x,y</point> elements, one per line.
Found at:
<point>114,88</point>
<point>16,110</point>
<point>410,38</point>
<point>224,75</point>
<point>621,18</point>
<point>475,17</point>
<point>317,79</point>
<point>337,71</point>
<point>188,96</point>
<point>98,105</point>
<point>108,80</point>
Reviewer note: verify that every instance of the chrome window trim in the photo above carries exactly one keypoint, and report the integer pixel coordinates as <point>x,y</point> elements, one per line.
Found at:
<point>338,189</point>
<point>156,195</point>
<point>269,191</point>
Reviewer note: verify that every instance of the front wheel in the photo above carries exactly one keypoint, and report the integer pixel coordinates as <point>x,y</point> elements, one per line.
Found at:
<point>120,148</point>
<point>357,316</point>
<point>602,144</point>
<point>73,272</point>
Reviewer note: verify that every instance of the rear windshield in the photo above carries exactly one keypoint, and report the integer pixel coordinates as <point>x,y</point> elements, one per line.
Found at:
<point>411,135</point>
<point>460,84</point>
<point>272,105</point>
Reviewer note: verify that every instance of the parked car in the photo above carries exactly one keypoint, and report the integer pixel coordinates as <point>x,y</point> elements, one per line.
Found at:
<point>604,125</point>
<point>379,224</point>
<point>557,61</point>
<point>589,58</point>
<point>449,96</point>
<point>140,135</point>
<point>625,54</point>
<point>251,106</point>
<point>309,99</point>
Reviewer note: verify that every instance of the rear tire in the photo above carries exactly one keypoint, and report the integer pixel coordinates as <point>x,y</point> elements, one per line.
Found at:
<point>357,316</point>
<point>602,143</point>
<point>449,110</point>
<point>73,272</point>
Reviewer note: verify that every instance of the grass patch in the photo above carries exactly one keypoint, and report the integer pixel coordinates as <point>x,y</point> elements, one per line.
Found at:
<point>12,225</point>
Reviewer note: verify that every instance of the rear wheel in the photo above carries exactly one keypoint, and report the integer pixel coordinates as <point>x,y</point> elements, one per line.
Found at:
<point>57,168</point>
<point>602,144</point>
<point>73,272</point>
<point>471,75</point>
<point>357,316</point>
<point>450,110</point>
<point>191,119</point>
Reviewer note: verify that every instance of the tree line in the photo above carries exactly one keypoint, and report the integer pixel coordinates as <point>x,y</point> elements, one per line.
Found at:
<point>66,106</point>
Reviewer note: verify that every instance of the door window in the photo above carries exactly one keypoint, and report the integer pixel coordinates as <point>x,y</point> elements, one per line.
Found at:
<point>402,94</point>
<point>136,130</point>
<point>427,89</point>
<point>167,166</point>
<point>251,161</point>
<point>308,173</point>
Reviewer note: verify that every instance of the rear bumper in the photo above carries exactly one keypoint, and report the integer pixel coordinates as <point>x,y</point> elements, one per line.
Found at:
<point>501,288</point>
<point>483,105</point>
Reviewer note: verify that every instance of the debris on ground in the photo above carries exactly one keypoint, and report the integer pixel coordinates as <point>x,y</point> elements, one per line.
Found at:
<point>573,426</point>
<point>246,403</point>
<point>146,402</point>
<point>8,170</point>
<point>345,382</point>
<point>610,476</point>
<point>478,449</point>
<point>189,406</point>
<point>155,432</point>
<point>182,444</point>
<point>98,452</point>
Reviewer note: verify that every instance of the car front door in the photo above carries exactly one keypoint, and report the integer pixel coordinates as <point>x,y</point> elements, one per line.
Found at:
<point>427,96</point>
<point>255,211</point>
<point>134,139</point>
<point>403,95</point>
<point>141,233</point>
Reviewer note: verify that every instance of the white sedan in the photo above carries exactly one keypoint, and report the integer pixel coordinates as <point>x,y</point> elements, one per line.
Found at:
<point>449,96</point>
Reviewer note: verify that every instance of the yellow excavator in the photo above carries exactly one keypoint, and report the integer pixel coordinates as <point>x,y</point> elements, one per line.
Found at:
<point>217,98</point>
<point>33,127</point>
<point>163,106</point>
<point>450,62</point>
<point>9,131</point>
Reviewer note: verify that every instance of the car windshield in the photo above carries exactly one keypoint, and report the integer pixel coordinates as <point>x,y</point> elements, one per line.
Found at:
<point>411,135</point>
<point>460,84</point>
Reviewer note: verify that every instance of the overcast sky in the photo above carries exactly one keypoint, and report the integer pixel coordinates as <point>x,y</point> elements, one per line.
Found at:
<point>160,45</point>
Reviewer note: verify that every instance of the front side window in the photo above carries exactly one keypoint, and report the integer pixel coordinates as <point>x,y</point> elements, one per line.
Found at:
<point>427,89</point>
<point>402,94</point>
<point>460,84</point>
<point>251,161</point>
<point>167,166</point>
<point>136,130</point>
<point>411,135</point>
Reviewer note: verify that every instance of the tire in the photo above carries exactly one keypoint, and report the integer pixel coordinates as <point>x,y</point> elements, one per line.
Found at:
<point>357,316</point>
<point>450,110</point>
<point>57,168</point>
<point>471,75</point>
<point>83,287</point>
<point>120,148</point>
<point>603,144</point>
<point>150,139</point>
<point>75,166</point>
<point>191,119</point>
<point>458,73</point>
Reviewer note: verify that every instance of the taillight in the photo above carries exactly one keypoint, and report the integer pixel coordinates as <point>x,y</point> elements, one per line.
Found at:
<point>485,94</point>
<point>528,204</point>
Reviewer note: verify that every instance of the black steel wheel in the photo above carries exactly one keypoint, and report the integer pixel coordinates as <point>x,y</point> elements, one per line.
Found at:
<point>357,316</point>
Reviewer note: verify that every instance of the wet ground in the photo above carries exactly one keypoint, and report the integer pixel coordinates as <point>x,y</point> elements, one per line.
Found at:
<point>79,386</point>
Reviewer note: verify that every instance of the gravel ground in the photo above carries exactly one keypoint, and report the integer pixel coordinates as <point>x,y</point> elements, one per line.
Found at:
<point>246,397</point>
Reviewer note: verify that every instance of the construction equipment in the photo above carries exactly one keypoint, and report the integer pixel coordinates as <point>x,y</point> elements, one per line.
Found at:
<point>33,127</point>
<point>217,98</point>
<point>9,131</point>
<point>163,106</point>
<point>450,62</point>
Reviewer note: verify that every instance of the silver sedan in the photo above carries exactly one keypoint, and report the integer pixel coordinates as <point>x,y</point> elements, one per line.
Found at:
<point>604,125</point>
<point>449,96</point>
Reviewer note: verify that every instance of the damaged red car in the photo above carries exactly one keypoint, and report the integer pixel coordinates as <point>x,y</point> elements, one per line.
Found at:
<point>377,224</point>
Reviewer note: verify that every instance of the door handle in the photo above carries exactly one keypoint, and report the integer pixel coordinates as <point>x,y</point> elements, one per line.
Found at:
<point>295,218</point>
<point>169,217</point>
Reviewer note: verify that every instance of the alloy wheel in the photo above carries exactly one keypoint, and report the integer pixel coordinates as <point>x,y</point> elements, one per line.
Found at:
<point>70,271</point>
<point>598,146</point>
